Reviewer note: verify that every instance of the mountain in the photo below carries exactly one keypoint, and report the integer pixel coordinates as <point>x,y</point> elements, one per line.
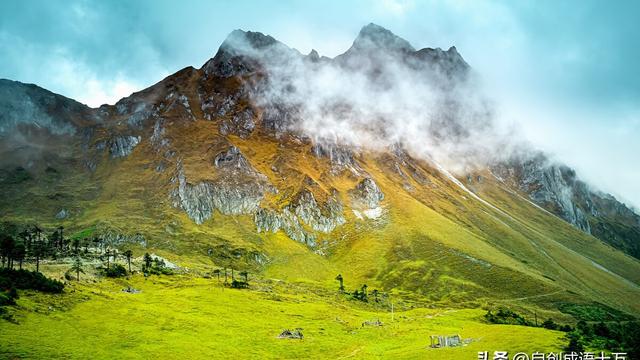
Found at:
<point>302,167</point>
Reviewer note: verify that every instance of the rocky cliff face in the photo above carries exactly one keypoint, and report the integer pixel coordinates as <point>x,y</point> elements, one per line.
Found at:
<point>556,188</point>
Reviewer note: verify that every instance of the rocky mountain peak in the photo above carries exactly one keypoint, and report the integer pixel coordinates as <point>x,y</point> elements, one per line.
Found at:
<point>239,38</point>
<point>374,36</point>
<point>244,51</point>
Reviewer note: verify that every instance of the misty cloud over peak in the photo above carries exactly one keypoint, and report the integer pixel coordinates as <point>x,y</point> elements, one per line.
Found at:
<point>379,93</point>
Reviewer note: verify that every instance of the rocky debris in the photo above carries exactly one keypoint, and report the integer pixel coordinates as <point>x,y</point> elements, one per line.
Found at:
<point>232,159</point>
<point>176,104</point>
<point>291,334</point>
<point>62,214</point>
<point>376,322</point>
<point>341,157</point>
<point>440,341</point>
<point>241,123</point>
<point>226,105</point>
<point>219,104</point>
<point>140,115</point>
<point>121,146</point>
<point>279,119</point>
<point>157,138</point>
<point>131,290</point>
<point>91,164</point>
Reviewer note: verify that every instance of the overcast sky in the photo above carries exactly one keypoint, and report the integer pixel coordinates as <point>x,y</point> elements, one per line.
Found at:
<point>566,73</point>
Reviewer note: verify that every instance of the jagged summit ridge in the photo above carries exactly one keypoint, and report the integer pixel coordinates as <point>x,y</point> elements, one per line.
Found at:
<point>373,36</point>
<point>243,52</point>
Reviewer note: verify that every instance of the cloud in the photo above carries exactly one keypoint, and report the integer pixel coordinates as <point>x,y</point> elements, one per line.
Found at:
<point>379,94</point>
<point>395,7</point>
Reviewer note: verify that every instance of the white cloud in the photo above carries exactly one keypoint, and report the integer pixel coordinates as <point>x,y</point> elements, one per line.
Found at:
<point>395,7</point>
<point>76,80</point>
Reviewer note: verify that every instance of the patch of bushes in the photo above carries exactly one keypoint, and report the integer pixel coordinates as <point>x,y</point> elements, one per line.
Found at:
<point>509,317</point>
<point>613,336</point>
<point>594,312</point>
<point>14,176</point>
<point>11,280</point>
<point>155,266</point>
<point>25,280</point>
<point>506,316</point>
<point>115,271</point>
<point>239,284</point>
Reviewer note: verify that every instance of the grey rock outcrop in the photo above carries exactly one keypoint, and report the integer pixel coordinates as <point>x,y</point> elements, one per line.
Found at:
<point>121,146</point>
<point>366,195</point>
<point>158,139</point>
<point>237,188</point>
<point>62,214</point>
<point>303,211</point>
<point>341,157</point>
<point>320,218</point>
<point>548,185</point>
<point>241,123</point>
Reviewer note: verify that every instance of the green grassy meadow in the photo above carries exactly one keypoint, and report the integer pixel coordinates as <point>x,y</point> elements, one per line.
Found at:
<point>185,316</point>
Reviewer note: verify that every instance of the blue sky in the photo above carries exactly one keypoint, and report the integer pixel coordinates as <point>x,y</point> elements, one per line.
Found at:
<point>565,73</point>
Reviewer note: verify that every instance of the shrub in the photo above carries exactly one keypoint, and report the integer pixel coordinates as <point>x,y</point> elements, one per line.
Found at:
<point>506,316</point>
<point>116,270</point>
<point>576,343</point>
<point>24,279</point>
<point>239,284</point>
<point>11,280</point>
<point>550,324</point>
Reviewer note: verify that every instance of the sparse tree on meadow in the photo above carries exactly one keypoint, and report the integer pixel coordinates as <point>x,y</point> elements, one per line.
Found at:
<point>147,261</point>
<point>340,279</point>
<point>38,252</point>
<point>7,244</point>
<point>245,274</point>
<point>19,253</point>
<point>217,273</point>
<point>128,254</point>
<point>77,267</point>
